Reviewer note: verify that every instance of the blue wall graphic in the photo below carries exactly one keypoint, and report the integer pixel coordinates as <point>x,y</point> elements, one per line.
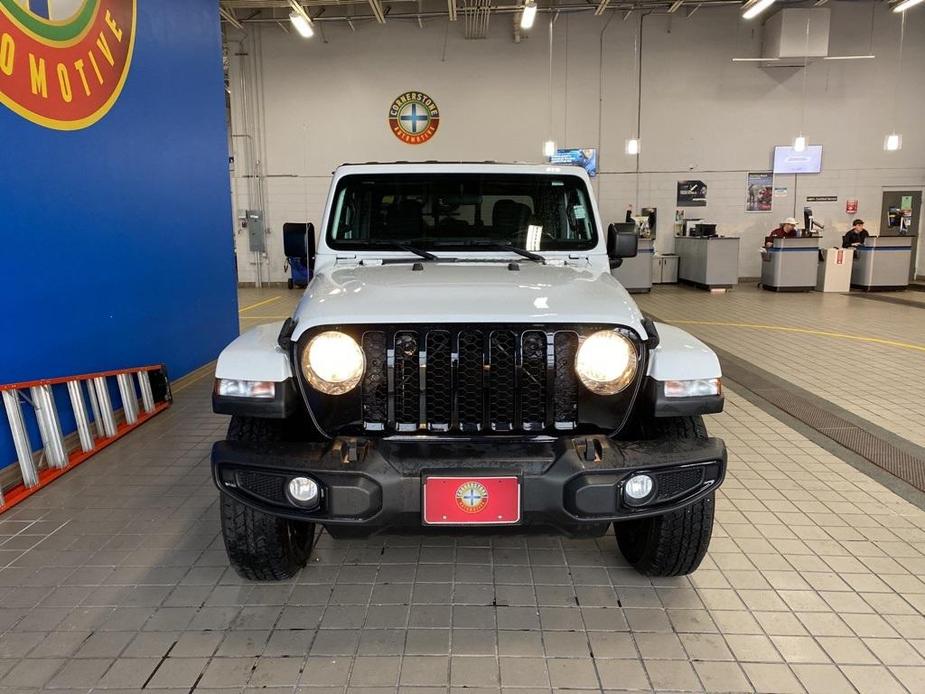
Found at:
<point>116,240</point>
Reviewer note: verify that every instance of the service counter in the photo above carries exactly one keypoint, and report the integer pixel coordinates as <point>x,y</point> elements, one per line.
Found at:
<point>789,265</point>
<point>709,262</point>
<point>881,263</point>
<point>635,274</point>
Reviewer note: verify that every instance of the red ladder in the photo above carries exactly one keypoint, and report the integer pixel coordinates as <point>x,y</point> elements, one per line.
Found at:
<point>153,387</point>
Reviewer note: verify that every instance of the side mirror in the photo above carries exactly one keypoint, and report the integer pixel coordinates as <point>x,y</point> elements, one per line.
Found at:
<point>622,242</point>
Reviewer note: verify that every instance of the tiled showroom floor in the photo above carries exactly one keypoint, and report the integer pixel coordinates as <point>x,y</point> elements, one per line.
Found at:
<point>115,577</point>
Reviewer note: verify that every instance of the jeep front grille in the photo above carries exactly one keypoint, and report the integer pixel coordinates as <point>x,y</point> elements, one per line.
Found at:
<point>479,379</point>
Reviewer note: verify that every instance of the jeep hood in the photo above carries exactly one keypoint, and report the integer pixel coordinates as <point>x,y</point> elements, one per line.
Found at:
<point>465,292</point>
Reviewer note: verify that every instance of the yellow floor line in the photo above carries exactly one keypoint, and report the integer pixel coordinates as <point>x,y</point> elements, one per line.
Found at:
<point>805,331</point>
<point>260,303</point>
<point>192,377</point>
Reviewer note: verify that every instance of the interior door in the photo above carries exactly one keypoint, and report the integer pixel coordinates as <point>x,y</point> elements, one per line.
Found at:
<point>900,217</point>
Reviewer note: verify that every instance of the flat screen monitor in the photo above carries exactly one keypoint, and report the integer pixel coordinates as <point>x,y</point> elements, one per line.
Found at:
<point>809,161</point>
<point>585,158</point>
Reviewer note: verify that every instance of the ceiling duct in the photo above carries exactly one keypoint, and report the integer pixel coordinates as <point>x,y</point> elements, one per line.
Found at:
<point>477,14</point>
<point>793,36</point>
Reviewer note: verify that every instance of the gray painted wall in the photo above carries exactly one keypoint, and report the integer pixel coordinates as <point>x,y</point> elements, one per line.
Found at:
<point>319,103</point>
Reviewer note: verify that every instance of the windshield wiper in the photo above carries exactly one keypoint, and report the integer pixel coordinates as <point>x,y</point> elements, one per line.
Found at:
<point>496,246</point>
<point>407,247</point>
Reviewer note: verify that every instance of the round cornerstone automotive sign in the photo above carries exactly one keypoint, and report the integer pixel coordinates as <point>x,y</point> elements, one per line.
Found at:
<point>63,62</point>
<point>414,118</point>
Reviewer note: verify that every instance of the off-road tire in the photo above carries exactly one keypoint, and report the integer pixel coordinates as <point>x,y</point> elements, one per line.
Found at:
<point>262,547</point>
<point>675,543</point>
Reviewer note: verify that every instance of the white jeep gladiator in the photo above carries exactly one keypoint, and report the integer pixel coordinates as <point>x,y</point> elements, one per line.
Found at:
<point>464,357</point>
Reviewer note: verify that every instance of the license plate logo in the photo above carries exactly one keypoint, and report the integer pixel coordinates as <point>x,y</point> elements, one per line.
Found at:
<point>471,500</point>
<point>472,497</point>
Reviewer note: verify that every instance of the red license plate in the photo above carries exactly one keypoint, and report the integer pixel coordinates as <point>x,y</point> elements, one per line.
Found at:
<point>471,500</point>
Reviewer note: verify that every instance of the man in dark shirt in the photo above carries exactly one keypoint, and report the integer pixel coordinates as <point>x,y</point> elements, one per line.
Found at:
<point>856,234</point>
<point>786,230</point>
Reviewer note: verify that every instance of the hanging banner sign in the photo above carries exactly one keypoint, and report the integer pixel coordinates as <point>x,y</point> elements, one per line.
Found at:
<point>63,64</point>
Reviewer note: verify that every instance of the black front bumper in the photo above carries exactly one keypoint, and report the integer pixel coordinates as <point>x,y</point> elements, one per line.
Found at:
<point>376,484</point>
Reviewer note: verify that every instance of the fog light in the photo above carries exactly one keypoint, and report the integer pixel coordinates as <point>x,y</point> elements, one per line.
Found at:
<point>303,491</point>
<point>638,487</point>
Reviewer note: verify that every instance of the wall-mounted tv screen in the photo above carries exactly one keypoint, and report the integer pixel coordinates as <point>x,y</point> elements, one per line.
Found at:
<point>586,158</point>
<point>809,161</point>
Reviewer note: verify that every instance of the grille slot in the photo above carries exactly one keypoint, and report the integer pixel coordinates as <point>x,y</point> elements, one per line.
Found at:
<point>472,379</point>
<point>407,381</point>
<point>269,487</point>
<point>375,382</point>
<point>470,375</point>
<point>439,381</point>
<point>677,482</point>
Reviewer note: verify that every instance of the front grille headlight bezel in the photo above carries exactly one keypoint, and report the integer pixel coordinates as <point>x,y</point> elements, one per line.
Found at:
<point>606,362</point>
<point>333,362</point>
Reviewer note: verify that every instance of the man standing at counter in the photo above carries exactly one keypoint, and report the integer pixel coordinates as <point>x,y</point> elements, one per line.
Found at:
<point>786,230</point>
<point>856,234</point>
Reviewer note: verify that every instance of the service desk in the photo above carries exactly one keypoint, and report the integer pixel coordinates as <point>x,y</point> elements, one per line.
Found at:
<point>881,263</point>
<point>635,274</point>
<point>789,265</point>
<point>710,262</point>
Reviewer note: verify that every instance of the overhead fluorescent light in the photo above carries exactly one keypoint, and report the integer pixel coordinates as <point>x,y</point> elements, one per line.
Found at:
<point>799,144</point>
<point>549,148</point>
<point>675,6</point>
<point>633,146</point>
<point>893,142</point>
<point>849,57</point>
<point>905,5</point>
<point>301,25</point>
<point>755,60</point>
<point>528,16</point>
<point>756,8</point>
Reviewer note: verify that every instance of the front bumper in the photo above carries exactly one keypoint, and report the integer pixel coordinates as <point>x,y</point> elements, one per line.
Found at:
<point>376,484</point>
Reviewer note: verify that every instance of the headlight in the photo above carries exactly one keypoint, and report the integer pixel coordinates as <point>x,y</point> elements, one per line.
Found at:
<point>333,363</point>
<point>606,362</point>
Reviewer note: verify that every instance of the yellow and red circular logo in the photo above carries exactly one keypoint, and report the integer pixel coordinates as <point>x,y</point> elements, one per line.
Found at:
<point>414,118</point>
<point>63,62</point>
<point>471,497</point>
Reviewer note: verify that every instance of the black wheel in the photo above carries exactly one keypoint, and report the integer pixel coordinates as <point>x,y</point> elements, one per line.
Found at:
<point>289,283</point>
<point>675,543</point>
<point>262,547</point>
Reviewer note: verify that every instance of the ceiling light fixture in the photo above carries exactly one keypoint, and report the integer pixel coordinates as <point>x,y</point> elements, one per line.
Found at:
<point>549,148</point>
<point>528,15</point>
<point>633,146</point>
<point>756,8</point>
<point>905,5</point>
<point>301,25</point>
<point>799,144</point>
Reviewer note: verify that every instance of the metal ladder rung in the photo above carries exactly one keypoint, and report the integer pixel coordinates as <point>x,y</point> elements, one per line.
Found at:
<point>105,406</point>
<point>87,442</point>
<point>30,476</point>
<point>46,414</point>
<point>129,399</point>
<point>147,395</point>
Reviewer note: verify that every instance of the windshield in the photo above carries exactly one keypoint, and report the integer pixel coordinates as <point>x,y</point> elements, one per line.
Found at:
<point>529,211</point>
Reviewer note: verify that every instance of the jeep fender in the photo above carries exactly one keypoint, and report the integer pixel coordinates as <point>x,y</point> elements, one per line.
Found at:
<point>256,356</point>
<point>680,356</point>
